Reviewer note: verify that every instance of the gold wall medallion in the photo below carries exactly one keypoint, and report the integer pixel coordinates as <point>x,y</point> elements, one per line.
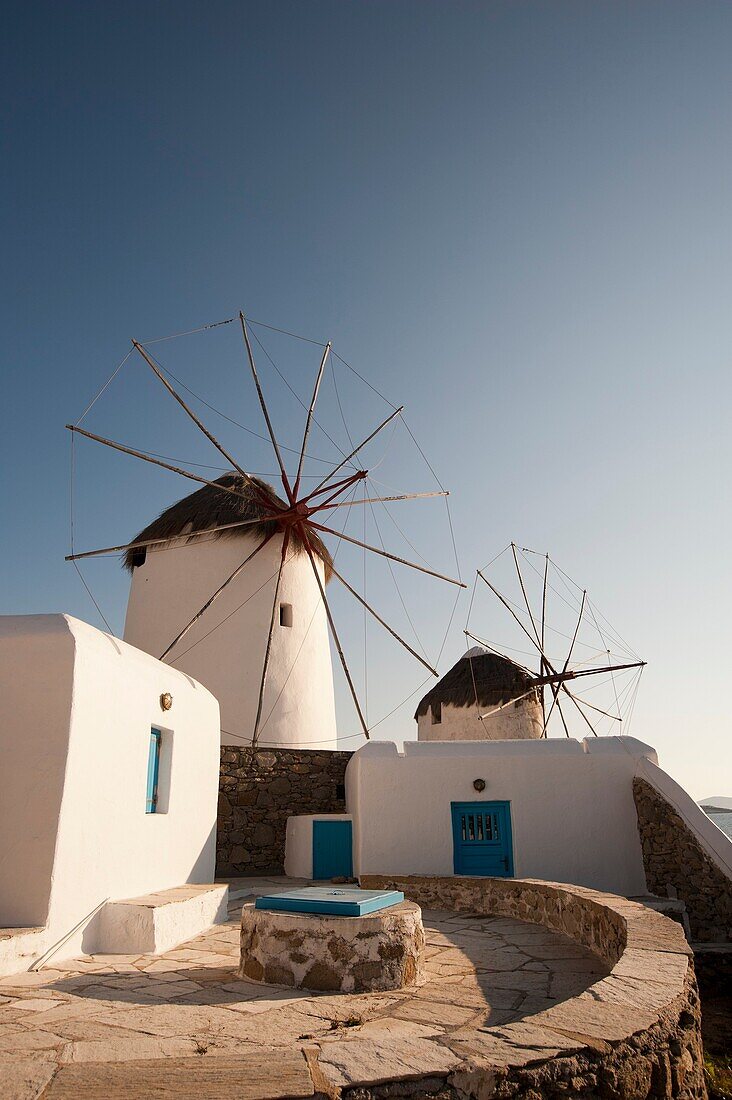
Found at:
<point>166,701</point>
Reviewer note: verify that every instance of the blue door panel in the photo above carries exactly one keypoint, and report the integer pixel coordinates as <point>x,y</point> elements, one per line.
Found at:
<point>332,849</point>
<point>481,834</point>
<point>153,771</point>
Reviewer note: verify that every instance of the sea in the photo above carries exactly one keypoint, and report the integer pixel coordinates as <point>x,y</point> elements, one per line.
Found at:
<point>723,822</point>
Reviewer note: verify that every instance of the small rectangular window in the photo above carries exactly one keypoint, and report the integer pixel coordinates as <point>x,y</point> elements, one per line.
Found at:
<point>285,614</point>
<point>138,556</point>
<point>436,711</point>
<point>153,771</point>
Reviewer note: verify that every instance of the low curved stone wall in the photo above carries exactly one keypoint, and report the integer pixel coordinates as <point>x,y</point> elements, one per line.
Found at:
<point>631,1036</point>
<point>575,911</point>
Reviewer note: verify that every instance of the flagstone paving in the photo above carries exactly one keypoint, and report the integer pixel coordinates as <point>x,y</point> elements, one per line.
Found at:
<point>184,1024</point>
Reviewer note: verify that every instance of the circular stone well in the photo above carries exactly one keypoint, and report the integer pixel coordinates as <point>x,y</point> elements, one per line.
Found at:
<point>373,953</point>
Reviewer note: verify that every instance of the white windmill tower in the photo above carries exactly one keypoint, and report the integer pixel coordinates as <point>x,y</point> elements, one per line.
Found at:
<point>173,578</point>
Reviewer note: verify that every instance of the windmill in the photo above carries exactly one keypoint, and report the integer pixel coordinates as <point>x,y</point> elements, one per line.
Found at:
<point>300,516</point>
<point>564,675</point>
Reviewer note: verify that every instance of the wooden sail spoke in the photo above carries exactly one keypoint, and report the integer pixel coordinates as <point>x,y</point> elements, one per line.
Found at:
<point>543,627</point>
<point>155,461</point>
<point>555,696</point>
<point>334,633</point>
<point>490,648</point>
<point>215,595</point>
<point>338,488</point>
<point>355,450</point>
<point>196,420</point>
<point>599,710</point>
<point>268,647</point>
<point>523,593</point>
<point>124,547</point>
<point>383,500</point>
<point>510,610</point>
<point>567,692</point>
<point>539,637</point>
<point>543,600</point>
<point>378,618</point>
<point>343,483</point>
<point>561,715</point>
<point>309,419</point>
<point>606,668</point>
<point>502,706</point>
<point>265,410</point>
<point>385,554</point>
<point>576,632</point>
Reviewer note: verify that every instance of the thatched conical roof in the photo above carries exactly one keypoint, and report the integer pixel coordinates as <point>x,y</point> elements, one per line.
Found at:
<point>211,507</point>
<point>495,680</point>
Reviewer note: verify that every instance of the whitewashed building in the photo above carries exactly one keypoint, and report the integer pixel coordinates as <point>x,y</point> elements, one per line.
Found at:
<point>560,810</point>
<point>225,648</point>
<point>108,795</point>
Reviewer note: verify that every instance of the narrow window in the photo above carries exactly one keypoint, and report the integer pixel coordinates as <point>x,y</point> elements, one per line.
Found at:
<point>153,771</point>
<point>285,614</point>
<point>138,556</point>
<point>436,711</point>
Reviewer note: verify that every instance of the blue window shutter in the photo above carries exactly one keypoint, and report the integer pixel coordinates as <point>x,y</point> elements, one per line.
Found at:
<point>153,768</point>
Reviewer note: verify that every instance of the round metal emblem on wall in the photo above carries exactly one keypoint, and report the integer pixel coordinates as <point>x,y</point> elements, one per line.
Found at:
<point>479,784</point>
<point>166,701</point>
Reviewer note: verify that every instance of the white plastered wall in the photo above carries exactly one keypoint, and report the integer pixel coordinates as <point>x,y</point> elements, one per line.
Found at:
<point>225,649</point>
<point>78,706</point>
<point>517,721</point>
<point>573,814</point>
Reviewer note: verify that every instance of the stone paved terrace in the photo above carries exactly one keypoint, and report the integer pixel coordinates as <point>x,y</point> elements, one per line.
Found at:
<point>184,1025</point>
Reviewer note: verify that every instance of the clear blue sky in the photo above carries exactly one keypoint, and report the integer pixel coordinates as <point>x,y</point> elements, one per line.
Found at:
<point>512,217</point>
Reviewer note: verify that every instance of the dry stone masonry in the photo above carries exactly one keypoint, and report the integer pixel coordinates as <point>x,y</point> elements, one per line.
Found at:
<point>259,789</point>
<point>372,953</point>
<point>633,1035</point>
<point>673,857</point>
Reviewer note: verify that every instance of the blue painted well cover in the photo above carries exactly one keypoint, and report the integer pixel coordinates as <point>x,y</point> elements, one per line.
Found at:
<point>338,902</point>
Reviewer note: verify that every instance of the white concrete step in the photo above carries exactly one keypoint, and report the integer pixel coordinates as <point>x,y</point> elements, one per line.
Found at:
<point>20,947</point>
<point>160,921</point>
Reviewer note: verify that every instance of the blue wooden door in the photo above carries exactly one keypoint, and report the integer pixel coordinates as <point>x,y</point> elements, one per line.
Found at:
<point>332,849</point>
<point>481,833</point>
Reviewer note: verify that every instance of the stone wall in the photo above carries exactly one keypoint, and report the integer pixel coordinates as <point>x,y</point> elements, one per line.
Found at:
<point>574,911</point>
<point>259,789</point>
<point>672,856</point>
<point>633,1035</point>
